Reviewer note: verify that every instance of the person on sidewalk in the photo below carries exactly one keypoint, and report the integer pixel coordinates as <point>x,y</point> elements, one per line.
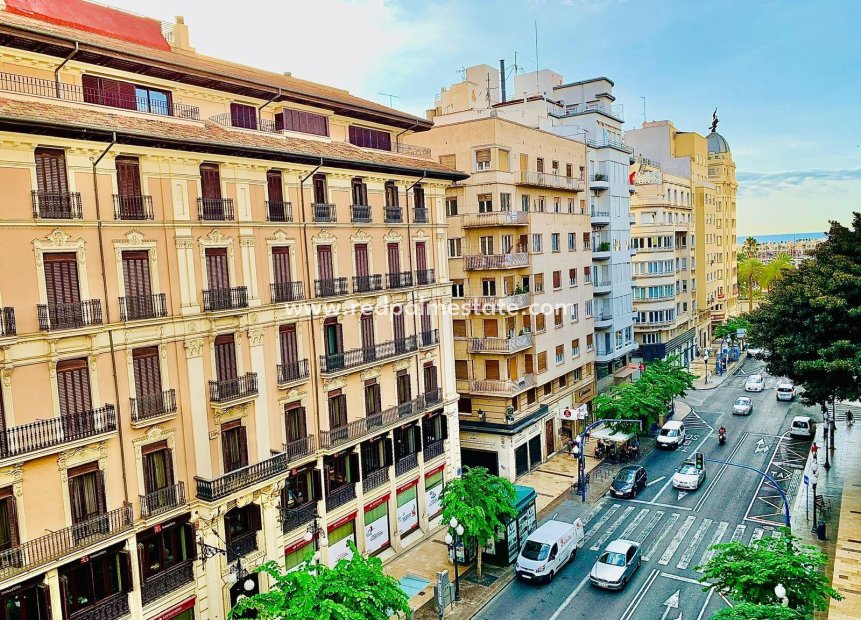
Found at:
<point>814,449</point>
<point>850,418</point>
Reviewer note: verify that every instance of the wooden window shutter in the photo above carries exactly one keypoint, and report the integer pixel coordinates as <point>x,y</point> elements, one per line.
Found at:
<point>289,347</point>
<point>225,357</point>
<point>482,156</point>
<point>353,463</point>
<point>254,517</point>
<point>147,371</point>
<point>73,386</point>
<point>101,503</point>
<point>188,537</point>
<point>281,264</point>
<point>210,181</point>
<point>316,484</point>
<point>126,570</point>
<point>43,593</point>
<point>461,369</point>
<point>243,447</point>
<point>128,176</point>
<point>244,116</point>
<point>217,272</point>
<point>450,161</point>
<point>51,170</point>
<point>491,369</point>
<point>459,328</point>
<point>136,276</point>
<point>61,278</point>
<point>64,594</point>
<point>361,250</point>
<point>275,186</point>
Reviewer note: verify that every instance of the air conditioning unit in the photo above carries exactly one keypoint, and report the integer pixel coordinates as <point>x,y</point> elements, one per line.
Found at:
<point>521,382</point>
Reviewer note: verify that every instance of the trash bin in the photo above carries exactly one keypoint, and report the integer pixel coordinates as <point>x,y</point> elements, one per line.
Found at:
<point>820,530</point>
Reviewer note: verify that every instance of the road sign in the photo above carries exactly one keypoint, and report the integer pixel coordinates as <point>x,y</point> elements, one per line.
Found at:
<point>806,479</point>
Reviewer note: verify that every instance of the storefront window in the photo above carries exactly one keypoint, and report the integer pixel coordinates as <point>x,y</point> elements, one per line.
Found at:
<point>26,601</point>
<point>90,580</point>
<point>161,550</point>
<point>293,559</point>
<point>338,542</point>
<point>408,511</point>
<point>377,528</point>
<point>433,494</point>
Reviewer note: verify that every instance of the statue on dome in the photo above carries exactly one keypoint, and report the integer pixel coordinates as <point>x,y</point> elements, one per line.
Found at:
<point>714,121</point>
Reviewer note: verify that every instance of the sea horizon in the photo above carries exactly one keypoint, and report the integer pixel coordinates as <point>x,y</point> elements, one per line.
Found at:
<point>783,237</point>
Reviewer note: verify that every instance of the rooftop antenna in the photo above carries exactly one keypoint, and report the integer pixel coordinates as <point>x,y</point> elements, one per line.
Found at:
<point>462,72</point>
<point>537,66</point>
<point>487,91</point>
<point>644,109</point>
<point>391,97</point>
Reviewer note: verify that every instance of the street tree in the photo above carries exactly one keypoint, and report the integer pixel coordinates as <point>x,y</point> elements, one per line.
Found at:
<point>730,328</point>
<point>355,589</point>
<point>746,611</point>
<point>749,573</point>
<point>750,248</point>
<point>480,502</point>
<point>750,272</point>
<point>810,322</point>
<point>774,269</point>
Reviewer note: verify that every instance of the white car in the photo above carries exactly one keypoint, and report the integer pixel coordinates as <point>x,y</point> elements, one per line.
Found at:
<point>785,391</point>
<point>742,406</point>
<point>754,383</point>
<point>688,477</point>
<point>755,351</point>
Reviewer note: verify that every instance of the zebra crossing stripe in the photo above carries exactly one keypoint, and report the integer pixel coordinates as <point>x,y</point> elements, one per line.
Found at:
<point>600,523</point>
<point>738,533</point>
<point>676,541</point>
<point>670,523</point>
<point>757,534</point>
<point>708,554</point>
<point>613,527</point>
<point>649,526</point>
<point>635,523</point>
<point>588,518</point>
<point>775,534</point>
<point>695,542</point>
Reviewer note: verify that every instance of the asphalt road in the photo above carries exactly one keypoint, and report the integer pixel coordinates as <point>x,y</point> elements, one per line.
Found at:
<point>675,529</point>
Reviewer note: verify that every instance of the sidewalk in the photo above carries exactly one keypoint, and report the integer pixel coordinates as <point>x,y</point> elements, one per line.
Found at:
<point>698,368</point>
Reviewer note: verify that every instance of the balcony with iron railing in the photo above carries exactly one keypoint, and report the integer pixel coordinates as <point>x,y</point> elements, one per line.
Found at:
<point>654,324</point>
<point>425,277</point>
<point>374,423</point>
<point>340,496</point>
<point>241,546</point>
<point>602,287</point>
<point>496,218</point>
<point>616,112</point>
<point>413,151</point>
<point>167,581</point>
<point>368,284</point>
<point>49,433</point>
<point>473,262</point>
<point>163,500</point>
<point>354,358</point>
<point>61,543</point>
<point>284,292</point>
<point>292,372</point>
<point>501,346</point>
<point>324,212</point>
<point>500,387</point>
<point>547,179</point>
<point>279,211</point>
<point>132,207</point>
<point>257,123</point>
<point>602,143</point>
<point>56,205</point>
<point>153,406</point>
<point>215,209</point>
<point>332,287</point>
<point>603,319</point>
<point>211,490</point>
<point>434,449</point>
<point>140,307</point>
<point>7,322</point>
<point>360,214</point>
<point>236,388</point>
<point>600,218</point>
<point>69,316</point>
<point>507,303</point>
<point>401,279</point>
<point>295,517</point>
<point>420,215</point>
<point>300,448</point>
<point>218,299</point>
<point>429,338</point>
<point>393,215</point>
<point>374,479</point>
<point>406,464</point>
<point>39,87</point>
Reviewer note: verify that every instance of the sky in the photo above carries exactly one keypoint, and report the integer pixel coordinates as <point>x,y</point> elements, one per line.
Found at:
<point>784,75</point>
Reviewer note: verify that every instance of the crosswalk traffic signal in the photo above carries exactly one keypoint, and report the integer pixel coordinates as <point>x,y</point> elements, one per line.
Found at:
<point>699,460</point>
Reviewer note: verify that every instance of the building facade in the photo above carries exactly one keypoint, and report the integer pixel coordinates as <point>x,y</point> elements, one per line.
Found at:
<point>224,322</point>
<point>721,172</point>
<point>522,277</point>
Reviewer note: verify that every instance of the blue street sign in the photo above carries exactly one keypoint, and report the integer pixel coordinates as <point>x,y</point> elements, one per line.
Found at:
<point>806,479</point>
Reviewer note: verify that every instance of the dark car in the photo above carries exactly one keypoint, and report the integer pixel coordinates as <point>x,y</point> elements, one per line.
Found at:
<point>629,481</point>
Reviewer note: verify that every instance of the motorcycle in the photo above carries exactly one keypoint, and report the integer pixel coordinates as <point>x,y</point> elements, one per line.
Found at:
<point>721,437</point>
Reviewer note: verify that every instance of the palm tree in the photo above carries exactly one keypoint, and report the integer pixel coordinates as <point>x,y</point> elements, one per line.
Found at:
<point>750,272</point>
<point>773,269</point>
<point>750,248</point>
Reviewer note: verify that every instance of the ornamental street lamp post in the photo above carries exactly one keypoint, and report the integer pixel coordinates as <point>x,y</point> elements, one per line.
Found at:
<point>780,593</point>
<point>454,541</point>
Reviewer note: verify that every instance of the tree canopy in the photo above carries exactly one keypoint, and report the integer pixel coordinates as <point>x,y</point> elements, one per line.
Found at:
<point>746,611</point>
<point>480,502</point>
<point>355,589</point>
<point>731,327</point>
<point>811,320</point>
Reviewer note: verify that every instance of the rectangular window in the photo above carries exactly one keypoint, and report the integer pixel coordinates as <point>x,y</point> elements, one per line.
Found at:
<point>525,200</point>
<point>83,585</point>
<point>301,121</point>
<point>451,206</point>
<point>554,242</point>
<point>455,248</point>
<point>8,520</point>
<point>505,202</point>
<point>557,317</point>
<point>337,409</point>
<point>485,245</point>
<point>575,347</point>
<point>536,243</point>
<point>128,177</point>
<point>370,138</point>
<point>51,171</point>
<point>587,275</point>
<point>539,282</point>
<point>163,549</point>
<point>86,492</point>
<point>542,361</point>
<point>457,289</point>
<point>588,307</point>
<point>234,446</point>
<point>539,164</point>
<point>572,277</point>
<point>485,203</point>
<point>491,369</point>
<point>147,372</point>
<point>569,170</point>
<point>572,242</point>
<point>575,313</point>
<point>461,369</point>
<point>560,353</point>
<point>482,159</point>
<point>539,323</point>
<point>73,387</point>
<point>449,161</point>
<point>113,93</point>
<point>404,387</point>
<point>243,116</point>
<point>557,280</point>
<point>373,400</point>
<point>590,342</point>
<point>210,182</point>
<point>157,464</point>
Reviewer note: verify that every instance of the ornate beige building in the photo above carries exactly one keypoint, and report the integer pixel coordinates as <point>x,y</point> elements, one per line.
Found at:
<point>223,336</point>
<point>722,174</point>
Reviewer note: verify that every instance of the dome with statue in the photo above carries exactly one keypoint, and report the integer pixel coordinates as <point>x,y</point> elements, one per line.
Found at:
<point>717,143</point>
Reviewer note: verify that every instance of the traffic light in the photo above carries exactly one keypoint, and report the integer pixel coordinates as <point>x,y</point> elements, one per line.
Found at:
<point>699,460</point>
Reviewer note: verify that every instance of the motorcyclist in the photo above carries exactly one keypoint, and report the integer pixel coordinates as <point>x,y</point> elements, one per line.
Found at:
<point>721,435</point>
<point>722,431</point>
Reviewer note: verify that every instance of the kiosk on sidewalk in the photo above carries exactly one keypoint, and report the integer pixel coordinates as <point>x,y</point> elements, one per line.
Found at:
<point>503,552</point>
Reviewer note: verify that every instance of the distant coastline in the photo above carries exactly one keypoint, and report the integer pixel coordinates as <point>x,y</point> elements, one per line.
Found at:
<point>784,237</point>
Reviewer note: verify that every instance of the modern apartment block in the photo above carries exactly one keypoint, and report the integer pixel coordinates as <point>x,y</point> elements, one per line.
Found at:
<point>722,173</point>
<point>522,273</point>
<point>223,337</point>
<point>665,265</point>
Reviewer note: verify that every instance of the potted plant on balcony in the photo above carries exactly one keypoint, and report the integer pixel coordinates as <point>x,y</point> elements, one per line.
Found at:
<point>600,176</point>
<point>604,246</point>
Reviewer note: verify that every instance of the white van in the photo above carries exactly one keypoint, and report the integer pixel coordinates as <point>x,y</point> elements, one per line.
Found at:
<point>671,435</point>
<point>547,550</point>
<point>785,391</point>
<point>802,426</point>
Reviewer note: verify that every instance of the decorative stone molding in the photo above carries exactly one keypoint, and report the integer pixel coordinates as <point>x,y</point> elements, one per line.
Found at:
<point>246,242</point>
<point>429,357</point>
<point>193,347</point>
<point>270,496</point>
<point>58,240</point>
<point>370,373</point>
<point>239,412</point>
<point>440,236</point>
<point>280,237</point>
<point>6,375</point>
<point>421,235</point>
<point>338,383</point>
<point>360,237</point>
<point>255,336</point>
<point>393,236</point>
<point>401,364</point>
<point>154,434</point>
<point>184,243</point>
<point>324,236</point>
<point>13,476</point>
<point>83,454</point>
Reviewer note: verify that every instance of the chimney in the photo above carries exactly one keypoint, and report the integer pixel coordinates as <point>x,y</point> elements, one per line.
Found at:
<point>501,79</point>
<point>180,35</point>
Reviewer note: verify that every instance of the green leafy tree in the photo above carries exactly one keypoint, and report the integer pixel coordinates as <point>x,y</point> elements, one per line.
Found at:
<point>811,320</point>
<point>750,272</point>
<point>746,611</point>
<point>749,573</point>
<point>731,327</point>
<point>480,502</point>
<point>774,269</point>
<point>355,589</point>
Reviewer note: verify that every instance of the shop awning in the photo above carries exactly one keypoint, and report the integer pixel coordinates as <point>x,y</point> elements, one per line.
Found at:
<point>624,373</point>
<point>607,434</point>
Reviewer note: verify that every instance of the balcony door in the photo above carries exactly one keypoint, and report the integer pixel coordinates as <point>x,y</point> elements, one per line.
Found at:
<point>73,388</point>
<point>320,193</point>
<point>51,171</point>
<point>367,329</point>
<point>8,520</point>
<point>392,199</point>
<point>294,419</point>
<point>128,178</point>
<point>61,280</point>
<point>421,256</point>
<point>430,379</point>
<point>147,371</point>
<point>362,268</point>
<point>425,318</point>
<point>491,328</point>
<point>419,197</point>
<point>337,410</point>
<point>210,182</point>
<point>234,446</point>
<point>87,495</point>
<point>394,257</point>
<point>359,192</point>
<point>399,325</point>
<point>138,289</point>
<point>289,346</point>
<point>217,272</point>
<point>281,265</point>
<point>325,264</point>
<point>404,387</point>
<point>225,358</point>
<point>244,116</point>
<point>157,469</point>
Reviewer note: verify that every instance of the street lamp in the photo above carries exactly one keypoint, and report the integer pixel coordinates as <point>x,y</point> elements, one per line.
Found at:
<point>780,593</point>
<point>210,551</point>
<point>453,542</point>
<point>813,480</point>
<point>316,533</point>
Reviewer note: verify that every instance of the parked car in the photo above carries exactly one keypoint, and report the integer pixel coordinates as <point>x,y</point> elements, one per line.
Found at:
<point>616,565</point>
<point>785,391</point>
<point>629,481</point>
<point>548,549</point>
<point>688,477</point>
<point>802,426</point>
<point>671,435</point>
<point>754,383</point>
<point>742,406</point>
<point>755,351</point>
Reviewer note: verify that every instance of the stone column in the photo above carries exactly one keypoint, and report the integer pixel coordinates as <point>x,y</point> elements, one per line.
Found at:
<point>187,279</point>
<point>249,269</point>
<point>135,600</point>
<point>199,407</point>
<point>261,406</point>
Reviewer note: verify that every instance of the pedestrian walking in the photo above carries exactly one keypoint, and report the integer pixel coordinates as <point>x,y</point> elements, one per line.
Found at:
<point>814,449</point>
<point>850,418</point>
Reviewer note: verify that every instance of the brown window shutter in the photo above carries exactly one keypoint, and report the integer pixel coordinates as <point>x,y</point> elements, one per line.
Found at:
<point>128,176</point>
<point>101,502</point>
<point>51,170</point>
<point>449,161</point>
<point>289,346</point>
<point>324,262</point>
<point>225,357</point>
<point>275,186</point>
<point>64,595</point>
<point>399,326</point>
<point>482,155</point>
<point>459,328</point>
<point>394,257</point>
<point>421,256</point>
<point>154,447</point>
<point>361,250</point>
<point>168,467</point>
<point>254,513</point>
<point>147,371</point>
<point>217,272</point>
<point>210,181</point>
<point>244,116</point>
<point>125,570</point>
<point>243,447</point>
<point>61,278</point>
<point>190,541</point>
<point>136,276</point>
<point>491,369</point>
<point>281,264</point>
<point>43,593</point>
<point>73,386</point>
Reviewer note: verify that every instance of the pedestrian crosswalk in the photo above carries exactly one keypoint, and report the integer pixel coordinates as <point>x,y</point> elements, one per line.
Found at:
<point>667,537</point>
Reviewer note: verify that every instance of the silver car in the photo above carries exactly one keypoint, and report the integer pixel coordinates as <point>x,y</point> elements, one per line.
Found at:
<point>616,565</point>
<point>742,406</point>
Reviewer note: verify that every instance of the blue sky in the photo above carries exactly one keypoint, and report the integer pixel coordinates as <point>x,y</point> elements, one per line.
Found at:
<point>783,75</point>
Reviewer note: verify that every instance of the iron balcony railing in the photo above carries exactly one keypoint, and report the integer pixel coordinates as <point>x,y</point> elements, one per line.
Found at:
<point>394,215</point>
<point>132,207</point>
<point>279,211</point>
<point>496,218</point>
<point>406,464</point>
<point>402,279</point>
<point>332,287</point>
<point>226,390</point>
<point>292,371</point>
<point>56,205</point>
<point>340,496</point>
<point>507,387</point>
<point>367,284</point>
<point>7,321</point>
<point>375,479</point>
<point>599,214</point>
<point>372,423</point>
<point>547,179</point>
<point>225,298</point>
<point>149,406</point>
<point>420,215</point>
<point>167,581</point>
<point>59,544</point>
<point>215,209</point>
<point>345,360</point>
<point>226,119</point>
<point>360,214</point>
<point>412,150</point>
<point>429,338</point>
<point>111,608</point>
<point>500,345</point>
<point>508,303</point>
<point>496,261</point>
<point>143,307</point>
<point>425,276</point>
<point>242,478</point>
<point>617,111</point>
<point>43,434</point>
<point>39,87</point>
<point>324,212</point>
<point>241,546</point>
<point>163,500</point>
<point>296,517</point>
<point>300,448</point>
<point>69,316</point>
<point>283,292</point>
<point>611,143</point>
<point>434,449</point>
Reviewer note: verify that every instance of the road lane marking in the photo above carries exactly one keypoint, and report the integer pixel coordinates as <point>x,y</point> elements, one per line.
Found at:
<point>638,598</point>
<point>613,527</point>
<point>570,598</point>
<point>680,578</point>
<point>635,523</point>
<point>706,604</point>
<point>655,481</point>
<point>685,560</point>
<point>649,526</point>
<point>672,506</point>
<point>708,554</point>
<point>757,534</point>
<point>676,541</point>
<point>600,523</point>
<point>776,534</point>
<point>738,533</point>
<point>670,481</point>
<point>670,523</point>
